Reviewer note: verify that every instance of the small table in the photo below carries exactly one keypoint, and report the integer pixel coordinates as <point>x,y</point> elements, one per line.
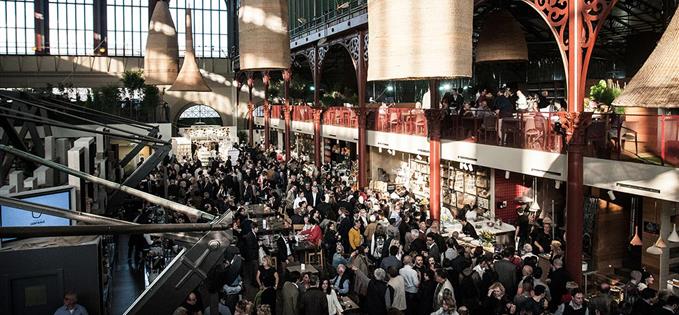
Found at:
<point>348,304</point>
<point>307,268</point>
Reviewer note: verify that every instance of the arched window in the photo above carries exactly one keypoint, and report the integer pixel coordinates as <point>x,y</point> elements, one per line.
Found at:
<point>199,115</point>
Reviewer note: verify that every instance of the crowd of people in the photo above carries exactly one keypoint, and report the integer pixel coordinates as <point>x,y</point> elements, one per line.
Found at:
<point>381,250</point>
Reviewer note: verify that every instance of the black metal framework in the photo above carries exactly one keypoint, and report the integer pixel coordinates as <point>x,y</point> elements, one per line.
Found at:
<point>71,27</point>
<point>17,30</point>
<point>127,28</point>
<point>210,26</point>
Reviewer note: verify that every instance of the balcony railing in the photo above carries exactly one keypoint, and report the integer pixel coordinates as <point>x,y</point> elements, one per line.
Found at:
<point>410,121</point>
<point>341,117</point>
<point>277,112</point>
<point>345,11</point>
<point>302,113</point>
<point>633,137</point>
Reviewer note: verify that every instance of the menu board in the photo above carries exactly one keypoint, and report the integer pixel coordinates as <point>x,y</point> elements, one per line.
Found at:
<point>466,187</point>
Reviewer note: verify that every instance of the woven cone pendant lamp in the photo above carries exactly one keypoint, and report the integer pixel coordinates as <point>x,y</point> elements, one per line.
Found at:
<point>501,39</point>
<point>416,39</point>
<point>264,41</point>
<point>189,78</point>
<point>656,85</point>
<point>161,59</point>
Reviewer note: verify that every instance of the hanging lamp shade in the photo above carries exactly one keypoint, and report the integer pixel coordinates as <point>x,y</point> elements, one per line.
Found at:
<point>501,39</point>
<point>654,250</point>
<point>415,39</point>
<point>656,85</point>
<point>161,59</point>
<point>674,237</point>
<point>636,240</point>
<point>264,41</point>
<point>189,78</point>
<point>660,243</point>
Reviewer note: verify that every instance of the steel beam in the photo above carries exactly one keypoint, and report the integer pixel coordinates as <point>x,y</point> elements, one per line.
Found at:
<point>130,155</point>
<point>184,274</point>
<point>140,173</point>
<point>192,213</point>
<point>51,231</point>
<point>83,217</point>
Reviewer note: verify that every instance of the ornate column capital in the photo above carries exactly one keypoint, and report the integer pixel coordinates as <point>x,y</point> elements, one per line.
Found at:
<point>317,115</point>
<point>434,117</point>
<point>575,125</point>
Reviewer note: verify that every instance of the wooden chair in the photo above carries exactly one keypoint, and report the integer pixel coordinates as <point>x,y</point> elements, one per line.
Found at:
<point>489,128</point>
<point>533,135</point>
<point>597,138</point>
<point>420,123</point>
<point>314,258</point>
<point>621,134</point>
<point>393,120</point>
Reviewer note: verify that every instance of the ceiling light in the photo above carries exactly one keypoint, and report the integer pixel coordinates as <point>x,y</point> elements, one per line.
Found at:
<point>507,174</point>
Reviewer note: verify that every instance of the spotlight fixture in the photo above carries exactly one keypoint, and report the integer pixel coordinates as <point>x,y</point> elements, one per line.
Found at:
<point>419,157</point>
<point>611,195</point>
<point>301,21</point>
<point>557,184</point>
<point>343,6</point>
<point>507,174</point>
<point>390,88</point>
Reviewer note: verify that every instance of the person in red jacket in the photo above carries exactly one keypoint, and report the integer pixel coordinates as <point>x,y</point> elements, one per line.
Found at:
<point>313,234</point>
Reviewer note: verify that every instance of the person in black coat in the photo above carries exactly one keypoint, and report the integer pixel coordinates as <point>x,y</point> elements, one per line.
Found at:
<point>251,256</point>
<point>669,307</point>
<point>425,294</point>
<point>376,294</point>
<point>644,305</point>
<point>314,301</point>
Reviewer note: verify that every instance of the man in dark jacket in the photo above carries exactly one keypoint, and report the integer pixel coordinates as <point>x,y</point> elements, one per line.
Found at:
<point>557,286</point>
<point>506,272</point>
<point>251,257</point>
<point>377,294</point>
<point>314,301</point>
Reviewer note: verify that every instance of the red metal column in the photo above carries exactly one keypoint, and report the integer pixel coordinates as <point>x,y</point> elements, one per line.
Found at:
<point>434,117</point>
<point>362,80</point>
<point>41,23</point>
<point>318,136</point>
<point>583,21</point>
<point>287,76</point>
<point>267,109</point>
<point>251,109</point>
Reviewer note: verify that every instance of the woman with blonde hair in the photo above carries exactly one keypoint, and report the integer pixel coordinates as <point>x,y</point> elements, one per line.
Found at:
<point>497,302</point>
<point>267,278</point>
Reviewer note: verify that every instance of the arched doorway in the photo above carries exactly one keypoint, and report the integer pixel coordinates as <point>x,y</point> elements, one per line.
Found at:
<point>198,114</point>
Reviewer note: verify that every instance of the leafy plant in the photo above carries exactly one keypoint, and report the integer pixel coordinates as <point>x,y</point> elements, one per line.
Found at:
<point>605,92</point>
<point>133,80</point>
<point>106,98</point>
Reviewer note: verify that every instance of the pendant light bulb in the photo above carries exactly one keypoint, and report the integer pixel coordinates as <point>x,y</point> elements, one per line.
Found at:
<point>674,237</point>
<point>636,240</point>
